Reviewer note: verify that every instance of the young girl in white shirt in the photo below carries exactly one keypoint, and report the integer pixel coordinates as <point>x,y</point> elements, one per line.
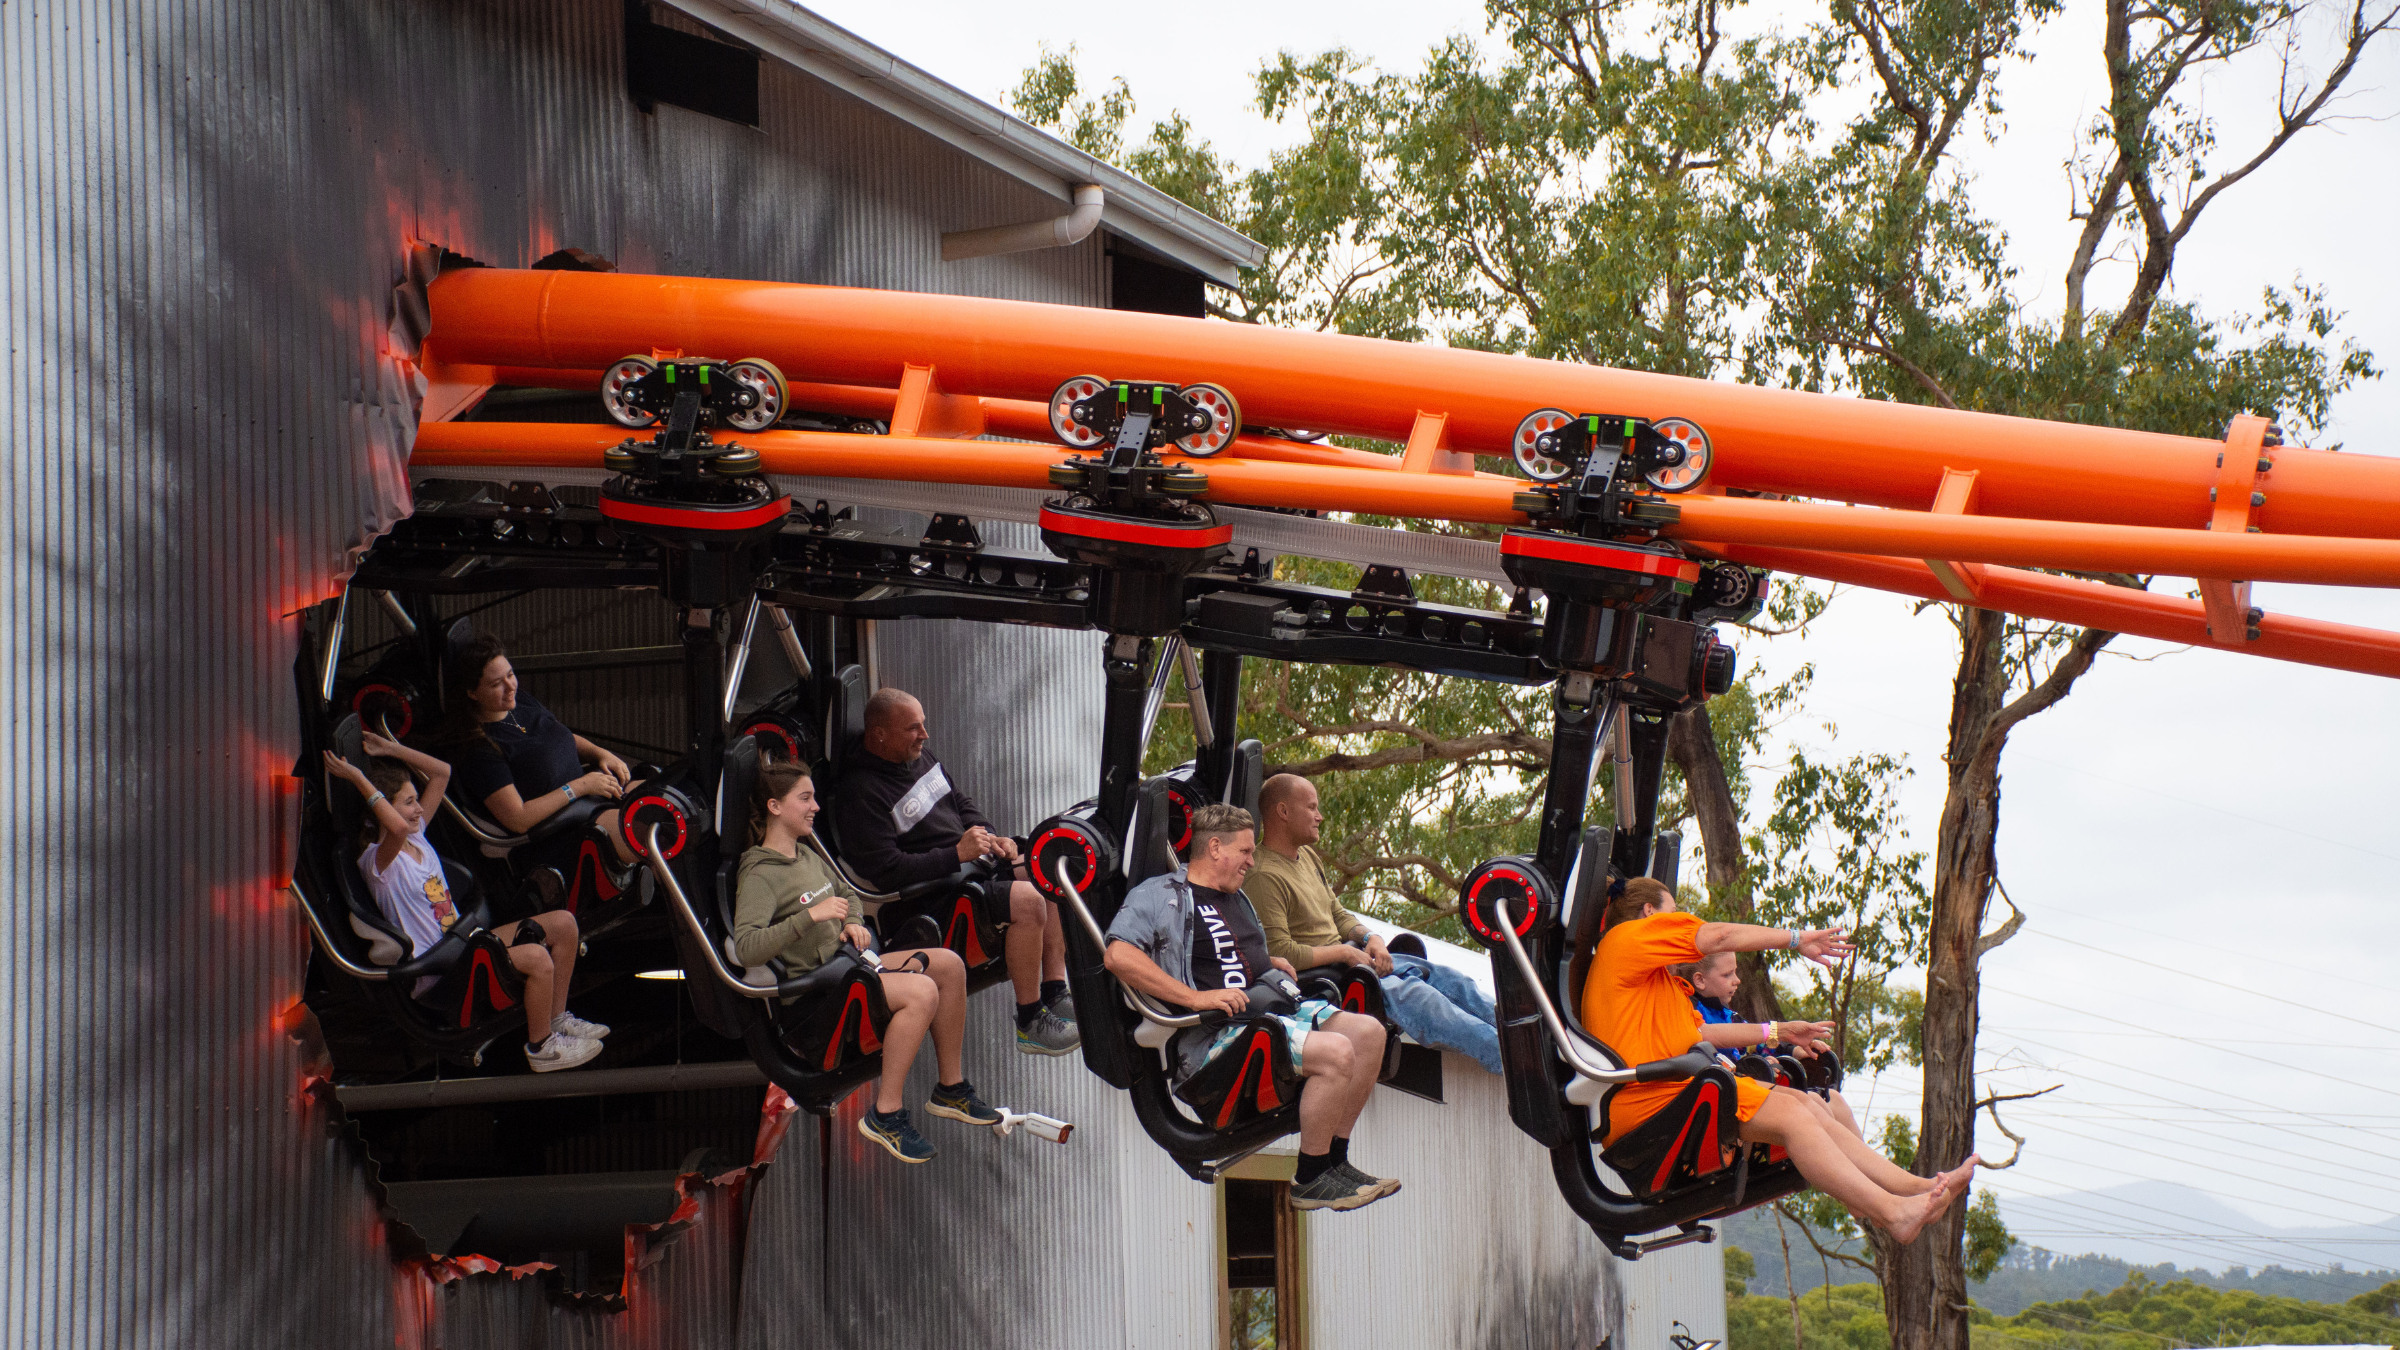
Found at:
<point>406,876</point>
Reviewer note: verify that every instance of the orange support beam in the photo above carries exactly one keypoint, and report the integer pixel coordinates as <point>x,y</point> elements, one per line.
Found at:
<point>1964,581</point>
<point>920,408</point>
<point>2234,497</point>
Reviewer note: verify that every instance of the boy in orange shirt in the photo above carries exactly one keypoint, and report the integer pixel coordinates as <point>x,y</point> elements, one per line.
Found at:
<point>1634,1003</point>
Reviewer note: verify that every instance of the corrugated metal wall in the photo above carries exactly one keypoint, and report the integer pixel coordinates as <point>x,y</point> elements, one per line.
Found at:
<point>204,208</point>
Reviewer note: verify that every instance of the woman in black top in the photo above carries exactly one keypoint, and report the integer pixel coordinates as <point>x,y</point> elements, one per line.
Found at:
<point>516,761</point>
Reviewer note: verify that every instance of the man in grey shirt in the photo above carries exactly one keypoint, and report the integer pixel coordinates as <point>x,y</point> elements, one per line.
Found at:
<point>1189,939</point>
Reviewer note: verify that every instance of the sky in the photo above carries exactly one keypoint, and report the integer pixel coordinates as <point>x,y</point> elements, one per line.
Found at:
<point>2200,839</point>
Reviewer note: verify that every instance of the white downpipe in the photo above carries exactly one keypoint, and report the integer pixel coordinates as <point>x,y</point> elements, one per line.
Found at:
<point>1071,228</point>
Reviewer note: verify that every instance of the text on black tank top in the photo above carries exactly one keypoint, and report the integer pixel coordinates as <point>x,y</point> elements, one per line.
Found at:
<point>1227,946</point>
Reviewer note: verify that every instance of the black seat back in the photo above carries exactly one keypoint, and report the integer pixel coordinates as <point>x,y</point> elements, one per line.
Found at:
<point>1152,852</point>
<point>348,809</point>
<point>845,714</point>
<point>1587,910</point>
<point>1249,772</point>
<point>454,642</point>
<point>737,779</point>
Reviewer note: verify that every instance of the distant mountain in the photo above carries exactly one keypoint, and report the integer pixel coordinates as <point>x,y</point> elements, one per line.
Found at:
<point>2149,1222</point>
<point>2169,1232</point>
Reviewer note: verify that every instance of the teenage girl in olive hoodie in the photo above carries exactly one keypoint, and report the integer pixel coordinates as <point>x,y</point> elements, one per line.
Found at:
<point>789,905</point>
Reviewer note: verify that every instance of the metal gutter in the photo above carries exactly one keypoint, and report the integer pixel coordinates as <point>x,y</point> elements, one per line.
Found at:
<point>850,63</point>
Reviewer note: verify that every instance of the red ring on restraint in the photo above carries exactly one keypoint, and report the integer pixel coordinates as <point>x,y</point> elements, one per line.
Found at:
<point>1045,877</point>
<point>790,743</point>
<point>1524,883</point>
<point>626,819</point>
<point>408,710</point>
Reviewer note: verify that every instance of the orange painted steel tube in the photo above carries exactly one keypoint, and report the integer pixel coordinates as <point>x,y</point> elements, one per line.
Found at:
<point>2039,595</point>
<point>1766,440</point>
<point>2022,543</point>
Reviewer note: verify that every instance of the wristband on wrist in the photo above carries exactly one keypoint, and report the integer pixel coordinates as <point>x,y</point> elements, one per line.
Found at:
<point>569,789</point>
<point>374,799</point>
<point>1770,1034</point>
<point>1794,944</point>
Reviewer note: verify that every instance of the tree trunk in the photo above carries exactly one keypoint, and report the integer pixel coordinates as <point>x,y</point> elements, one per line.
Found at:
<point>1692,743</point>
<point>1925,1283</point>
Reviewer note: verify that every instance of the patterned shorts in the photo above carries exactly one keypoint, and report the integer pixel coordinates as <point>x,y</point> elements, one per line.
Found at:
<point>1314,1013</point>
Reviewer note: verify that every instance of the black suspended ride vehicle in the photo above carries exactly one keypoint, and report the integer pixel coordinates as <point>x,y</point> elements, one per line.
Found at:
<point>1623,635</point>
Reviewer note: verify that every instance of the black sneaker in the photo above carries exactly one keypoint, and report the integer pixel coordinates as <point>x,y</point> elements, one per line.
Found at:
<point>959,1102</point>
<point>898,1137</point>
<point>1373,1187</point>
<point>1333,1189</point>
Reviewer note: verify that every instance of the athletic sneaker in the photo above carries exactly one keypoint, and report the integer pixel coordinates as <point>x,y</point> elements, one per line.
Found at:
<point>959,1102</point>
<point>1064,1006</point>
<point>1373,1187</point>
<point>1047,1034</point>
<point>898,1137</point>
<point>1333,1189</point>
<point>577,1027</point>
<point>561,1051</point>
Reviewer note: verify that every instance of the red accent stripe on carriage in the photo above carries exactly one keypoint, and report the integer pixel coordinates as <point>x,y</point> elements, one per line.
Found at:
<point>964,913</point>
<point>868,1041</point>
<point>1555,548</point>
<point>481,964</point>
<point>1707,1099</point>
<point>1261,1053</point>
<point>1138,532</point>
<point>699,518</point>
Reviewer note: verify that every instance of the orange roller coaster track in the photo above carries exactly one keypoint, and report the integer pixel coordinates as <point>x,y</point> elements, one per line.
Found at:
<point>1926,501</point>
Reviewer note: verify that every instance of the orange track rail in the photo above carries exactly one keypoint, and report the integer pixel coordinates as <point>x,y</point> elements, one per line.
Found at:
<point>2006,494</point>
<point>1766,440</point>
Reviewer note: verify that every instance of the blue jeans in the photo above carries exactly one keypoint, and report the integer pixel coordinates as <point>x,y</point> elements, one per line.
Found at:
<point>1440,1007</point>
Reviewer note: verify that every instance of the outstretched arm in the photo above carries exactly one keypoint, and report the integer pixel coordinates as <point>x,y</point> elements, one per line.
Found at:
<point>1826,946</point>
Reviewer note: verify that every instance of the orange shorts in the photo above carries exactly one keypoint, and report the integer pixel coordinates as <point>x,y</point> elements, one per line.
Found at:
<point>1637,1102</point>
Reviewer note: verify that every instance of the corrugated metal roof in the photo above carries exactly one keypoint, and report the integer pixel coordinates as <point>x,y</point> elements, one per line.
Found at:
<point>851,63</point>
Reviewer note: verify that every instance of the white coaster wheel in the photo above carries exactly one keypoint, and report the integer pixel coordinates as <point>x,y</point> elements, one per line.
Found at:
<point>1066,396</point>
<point>774,396</point>
<point>1687,475</point>
<point>1225,420</point>
<point>612,391</point>
<point>1530,460</point>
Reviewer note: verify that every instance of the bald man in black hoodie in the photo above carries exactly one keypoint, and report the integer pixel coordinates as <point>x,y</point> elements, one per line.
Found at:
<point>902,821</point>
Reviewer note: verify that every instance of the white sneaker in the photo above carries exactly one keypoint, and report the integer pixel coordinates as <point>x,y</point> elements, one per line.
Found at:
<point>561,1051</point>
<point>577,1027</point>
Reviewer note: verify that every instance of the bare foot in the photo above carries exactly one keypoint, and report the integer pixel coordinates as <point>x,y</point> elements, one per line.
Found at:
<point>1960,1175</point>
<point>1915,1213</point>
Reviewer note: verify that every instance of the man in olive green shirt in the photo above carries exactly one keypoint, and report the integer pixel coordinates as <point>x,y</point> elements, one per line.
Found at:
<point>1307,926</point>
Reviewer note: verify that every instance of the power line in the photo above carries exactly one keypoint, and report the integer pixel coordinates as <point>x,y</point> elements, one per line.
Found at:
<point>2256,1059</point>
<point>2154,934</point>
<point>2188,975</point>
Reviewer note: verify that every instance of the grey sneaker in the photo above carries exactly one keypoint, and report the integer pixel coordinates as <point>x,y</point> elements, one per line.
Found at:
<point>1064,1006</point>
<point>1334,1188</point>
<point>561,1051</point>
<point>959,1102</point>
<point>1047,1034</point>
<point>898,1137</point>
<point>577,1027</point>
<point>1373,1187</point>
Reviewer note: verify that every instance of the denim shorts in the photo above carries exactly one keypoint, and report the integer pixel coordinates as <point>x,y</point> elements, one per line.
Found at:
<point>1313,1013</point>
